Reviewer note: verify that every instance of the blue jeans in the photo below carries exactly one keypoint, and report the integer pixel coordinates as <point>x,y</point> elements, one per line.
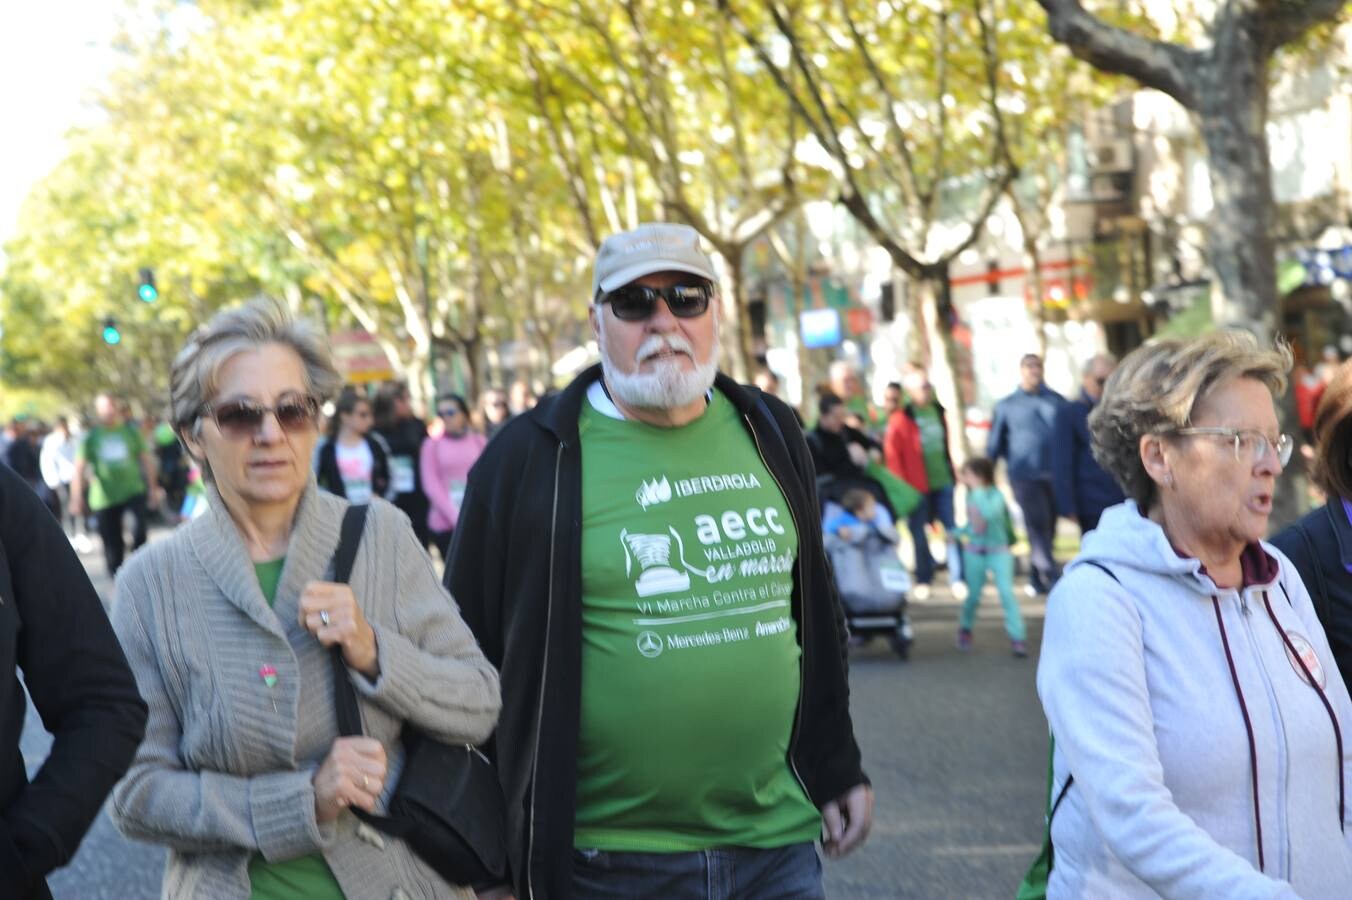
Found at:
<point>729,873</point>
<point>1038,503</point>
<point>937,504</point>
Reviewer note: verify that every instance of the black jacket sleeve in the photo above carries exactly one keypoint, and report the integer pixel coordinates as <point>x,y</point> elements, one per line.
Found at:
<point>80,683</point>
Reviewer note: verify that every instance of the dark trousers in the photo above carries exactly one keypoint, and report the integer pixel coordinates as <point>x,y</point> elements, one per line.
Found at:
<point>443,541</point>
<point>110,530</point>
<point>935,505</point>
<point>784,873</point>
<point>1038,503</point>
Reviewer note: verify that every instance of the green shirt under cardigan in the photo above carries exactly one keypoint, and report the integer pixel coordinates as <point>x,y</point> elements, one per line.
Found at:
<point>225,770</point>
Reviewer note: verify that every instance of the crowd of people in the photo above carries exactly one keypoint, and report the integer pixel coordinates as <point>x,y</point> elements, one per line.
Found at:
<point>631,678</point>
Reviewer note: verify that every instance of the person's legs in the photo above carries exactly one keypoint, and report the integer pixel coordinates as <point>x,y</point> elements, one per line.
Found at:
<point>137,505</point>
<point>1002,570</point>
<point>916,521</point>
<point>941,508</point>
<point>110,531</point>
<point>974,568</point>
<point>443,541</point>
<point>782,873</point>
<point>1039,518</point>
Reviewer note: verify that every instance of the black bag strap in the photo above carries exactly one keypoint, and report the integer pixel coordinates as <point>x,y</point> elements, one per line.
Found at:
<point>1070,778</point>
<point>344,694</point>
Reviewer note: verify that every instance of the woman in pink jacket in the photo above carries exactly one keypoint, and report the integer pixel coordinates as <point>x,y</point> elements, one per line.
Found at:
<point>445,464</point>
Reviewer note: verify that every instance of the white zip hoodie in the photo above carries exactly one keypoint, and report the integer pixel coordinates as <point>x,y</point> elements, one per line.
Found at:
<point>1141,699</point>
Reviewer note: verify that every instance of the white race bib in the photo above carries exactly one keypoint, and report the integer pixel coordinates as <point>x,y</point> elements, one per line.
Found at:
<point>401,474</point>
<point>113,449</point>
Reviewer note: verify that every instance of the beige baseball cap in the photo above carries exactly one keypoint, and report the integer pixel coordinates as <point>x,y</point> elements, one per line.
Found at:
<point>651,247</point>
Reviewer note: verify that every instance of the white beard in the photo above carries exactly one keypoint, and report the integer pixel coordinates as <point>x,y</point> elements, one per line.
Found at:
<point>668,385</point>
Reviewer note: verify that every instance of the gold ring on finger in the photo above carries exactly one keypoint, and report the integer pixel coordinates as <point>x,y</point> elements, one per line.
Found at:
<point>365,783</point>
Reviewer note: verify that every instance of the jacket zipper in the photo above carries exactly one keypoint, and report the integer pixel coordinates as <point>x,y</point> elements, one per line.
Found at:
<point>544,674</point>
<point>802,593</point>
<point>1270,693</point>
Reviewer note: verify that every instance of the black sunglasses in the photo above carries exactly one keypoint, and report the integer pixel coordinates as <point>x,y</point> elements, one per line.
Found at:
<point>238,419</point>
<point>633,302</point>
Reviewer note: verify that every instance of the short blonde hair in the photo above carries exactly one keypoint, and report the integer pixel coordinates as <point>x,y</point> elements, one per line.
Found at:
<point>193,378</point>
<point>1157,388</point>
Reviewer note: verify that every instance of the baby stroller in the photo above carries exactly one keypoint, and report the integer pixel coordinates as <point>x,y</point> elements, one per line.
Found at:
<point>871,580</point>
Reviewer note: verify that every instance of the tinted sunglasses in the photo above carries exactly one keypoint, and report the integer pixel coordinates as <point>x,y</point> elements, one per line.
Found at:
<point>239,419</point>
<point>447,411</point>
<point>633,302</point>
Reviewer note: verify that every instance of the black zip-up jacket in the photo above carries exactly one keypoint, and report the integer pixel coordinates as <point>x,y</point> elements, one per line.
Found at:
<point>331,480</point>
<point>53,629</point>
<point>515,571</point>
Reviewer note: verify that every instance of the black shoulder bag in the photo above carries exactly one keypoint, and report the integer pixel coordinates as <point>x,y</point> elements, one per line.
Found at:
<point>448,806</point>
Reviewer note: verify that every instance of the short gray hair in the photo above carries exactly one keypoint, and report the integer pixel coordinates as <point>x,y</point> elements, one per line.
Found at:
<point>1157,388</point>
<point>1088,366</point>
<point>192,380</point>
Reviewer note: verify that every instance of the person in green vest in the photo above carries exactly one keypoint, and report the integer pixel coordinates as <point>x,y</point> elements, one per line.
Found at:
<point>849,387</point>
<point>120,473</point>
<point>642,556</point>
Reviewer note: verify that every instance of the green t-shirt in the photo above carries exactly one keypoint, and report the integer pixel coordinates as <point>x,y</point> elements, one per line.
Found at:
<point>307,877</point>
<point>690,658</point>
<point>933,446</point>
<point>112,458</point>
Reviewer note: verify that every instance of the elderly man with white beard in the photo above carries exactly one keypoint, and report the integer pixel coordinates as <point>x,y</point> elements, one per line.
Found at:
<point>641,556</point>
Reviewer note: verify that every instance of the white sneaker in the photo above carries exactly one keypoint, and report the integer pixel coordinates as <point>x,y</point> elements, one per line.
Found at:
<point>922,592</point>
<point>959,590</point>
<point>83,544</point>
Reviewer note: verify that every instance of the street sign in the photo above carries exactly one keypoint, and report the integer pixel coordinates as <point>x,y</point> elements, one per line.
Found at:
<point>360,358</point>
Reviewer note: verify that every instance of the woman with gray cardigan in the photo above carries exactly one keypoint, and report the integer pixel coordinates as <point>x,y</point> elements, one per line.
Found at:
<point>228,625</point>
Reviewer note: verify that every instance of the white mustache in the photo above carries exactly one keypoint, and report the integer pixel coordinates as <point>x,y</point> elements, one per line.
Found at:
<point>658,343</point>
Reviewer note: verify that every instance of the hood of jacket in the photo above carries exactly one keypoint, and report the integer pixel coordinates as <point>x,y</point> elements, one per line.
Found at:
<point>1125,539</point>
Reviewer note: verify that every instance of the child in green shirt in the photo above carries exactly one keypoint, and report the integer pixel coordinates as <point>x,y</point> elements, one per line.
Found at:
<point>988,534</point>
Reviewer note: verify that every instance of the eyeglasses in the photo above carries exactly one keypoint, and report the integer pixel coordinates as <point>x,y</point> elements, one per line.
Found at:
<point>634,302</point>
<point>239,419</point>
<point>1250,446</point>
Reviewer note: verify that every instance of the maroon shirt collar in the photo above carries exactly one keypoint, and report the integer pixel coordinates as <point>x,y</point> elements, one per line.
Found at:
<point>1255,566</point>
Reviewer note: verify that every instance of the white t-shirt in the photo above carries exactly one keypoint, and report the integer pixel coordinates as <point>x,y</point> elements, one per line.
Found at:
<point>356,465</point>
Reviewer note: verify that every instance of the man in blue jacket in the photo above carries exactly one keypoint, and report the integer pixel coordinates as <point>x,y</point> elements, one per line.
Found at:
<point>1021,434</point>
<point>1083,489</point>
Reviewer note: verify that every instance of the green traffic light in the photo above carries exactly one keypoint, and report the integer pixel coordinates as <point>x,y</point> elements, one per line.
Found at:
<point>147,293</point>
<point>111,335</point>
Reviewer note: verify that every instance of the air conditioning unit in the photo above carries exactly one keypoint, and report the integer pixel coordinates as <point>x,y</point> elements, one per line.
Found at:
<point>1110,156</point>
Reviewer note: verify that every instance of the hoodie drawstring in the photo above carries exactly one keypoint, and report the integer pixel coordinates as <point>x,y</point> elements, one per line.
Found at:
<point>1328,707</point>
<point>1248,727</point>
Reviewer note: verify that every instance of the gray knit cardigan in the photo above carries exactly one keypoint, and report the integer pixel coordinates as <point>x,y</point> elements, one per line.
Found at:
<point>225,770</point>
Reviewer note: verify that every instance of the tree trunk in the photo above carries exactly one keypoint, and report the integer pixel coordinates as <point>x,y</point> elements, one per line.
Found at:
<point>740,351</point>
<point>936,303</point>
<point>1232,119</point>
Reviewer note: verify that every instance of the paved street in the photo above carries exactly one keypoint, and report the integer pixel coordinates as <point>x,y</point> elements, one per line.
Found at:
<point>955,744</point>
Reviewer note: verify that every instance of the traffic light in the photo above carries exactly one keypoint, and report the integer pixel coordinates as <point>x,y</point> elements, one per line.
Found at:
<point>146,290</point>
<point>111,335</point>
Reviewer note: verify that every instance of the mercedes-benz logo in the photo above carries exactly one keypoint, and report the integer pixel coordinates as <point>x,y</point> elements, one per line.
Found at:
<point>649,644</point>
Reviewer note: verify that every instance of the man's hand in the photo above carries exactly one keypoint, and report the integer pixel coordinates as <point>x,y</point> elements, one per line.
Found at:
<point>846,821</point>
<point>858,455</point>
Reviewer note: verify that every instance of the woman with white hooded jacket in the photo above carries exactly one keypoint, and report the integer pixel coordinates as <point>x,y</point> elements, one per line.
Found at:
<point>1199,717</point>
